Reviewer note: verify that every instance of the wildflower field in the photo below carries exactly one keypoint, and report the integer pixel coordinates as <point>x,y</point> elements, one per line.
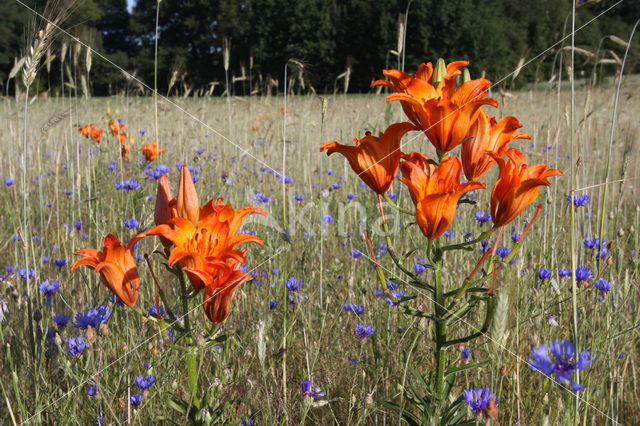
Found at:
<point>318,333</point>
<point>441,250</point>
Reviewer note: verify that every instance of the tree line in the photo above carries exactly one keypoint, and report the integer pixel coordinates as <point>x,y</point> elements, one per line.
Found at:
<point>208,46</point>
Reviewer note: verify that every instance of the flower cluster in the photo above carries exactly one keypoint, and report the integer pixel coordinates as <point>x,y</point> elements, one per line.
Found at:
<point>151,152</point>
<point>202,241</point>
<point>90,131</point>
<point>450,114</point>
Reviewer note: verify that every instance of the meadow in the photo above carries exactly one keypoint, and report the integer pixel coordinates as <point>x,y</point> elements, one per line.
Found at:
<point>290,323</point>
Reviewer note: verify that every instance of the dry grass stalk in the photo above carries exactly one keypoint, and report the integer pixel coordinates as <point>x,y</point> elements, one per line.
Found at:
<point>35,54</point>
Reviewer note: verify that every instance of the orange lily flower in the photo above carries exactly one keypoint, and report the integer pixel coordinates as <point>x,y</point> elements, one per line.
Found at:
<point>90,131</point>
<point>116,128</point>
<point>163,212</point>
<point>219,294</point>
<point>446,119</point>
<point>205,246</point>
<point>436,191</point>
<point>374,159</point>
<point>187,204</point>
<point>96,133</point>
<point>487,135</point>
<point>517,186</point>
<point>151,152</point>
<point>415,168</point>
<point>124,150</point>
<point>116,267</point>
<point>122,138</point>
<point>418,86</point>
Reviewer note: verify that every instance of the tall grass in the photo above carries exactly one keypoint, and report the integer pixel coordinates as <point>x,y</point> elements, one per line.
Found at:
<point>256,373</point>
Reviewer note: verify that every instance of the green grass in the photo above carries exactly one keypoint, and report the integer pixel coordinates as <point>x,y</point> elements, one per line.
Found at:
<point>44,384</point>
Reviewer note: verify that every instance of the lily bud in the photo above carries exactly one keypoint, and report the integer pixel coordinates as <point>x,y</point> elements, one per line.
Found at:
<point>187,204</point>
<point>466,76</point>
<point>162,212</point>
<point>439,72</point>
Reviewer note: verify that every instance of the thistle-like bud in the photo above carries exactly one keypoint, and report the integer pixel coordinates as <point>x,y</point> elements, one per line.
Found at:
<point>439,72</point>
<point>90,335</point>
<point>162,212</point>
<point>188,205</point>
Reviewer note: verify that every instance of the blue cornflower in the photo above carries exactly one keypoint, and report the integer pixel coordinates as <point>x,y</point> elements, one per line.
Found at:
<point>92,390</point>
<point>275,271</point>
<point>484,246</point>
<point>248,422</point>
<point>418,268</point>
<point>135,400</point>
<point>9,181</point>
<point>583,273</point>
<point>392,285</point>
<point>564,272</point>
<point>578,200</point>
<point>129,185</point>
<point>49,288</point>
<point>309,392</point>
<point>158,172</point>
<point>94,317</point>
<point>262,198</point>
<point>397,295</point>
<point>466,352</point>
<point>515,237</point>
<point>364,330</point>
<point>564,363</point>
<point>153,311</point>
<point>603,285</point>
<point>75,345</point>
<point>449,234</point>
<point>145,382</point>
<point>327,218</point>
<point>352,307</point>
<point>61,320</point>
<point>355,253</point>
<point>60,262</point>
<point>336,185</point>
<point>478,399</point>
<point>483,217</point>
<point>131,223</point>
<point>78,226</point>
<point>298,197</point>
<point>24,275</point>
<point>544,274</point>
<point>350,197</point>
<point>503,252</point>
<point>273,304</point>
<point>293,284</point>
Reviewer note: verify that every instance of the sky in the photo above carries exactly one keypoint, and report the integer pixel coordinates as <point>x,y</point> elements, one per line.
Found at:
<point>130,4</point>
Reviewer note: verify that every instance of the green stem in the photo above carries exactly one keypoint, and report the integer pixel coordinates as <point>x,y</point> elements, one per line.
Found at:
<point>397,207</point>
<point>192,370</point>
<point>441,336</point>
<point>394,257</point>
<point>183,296</point>
<point>485,326</point>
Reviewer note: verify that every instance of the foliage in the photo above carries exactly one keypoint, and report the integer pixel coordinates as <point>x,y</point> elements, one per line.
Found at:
<point>327,36</point>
